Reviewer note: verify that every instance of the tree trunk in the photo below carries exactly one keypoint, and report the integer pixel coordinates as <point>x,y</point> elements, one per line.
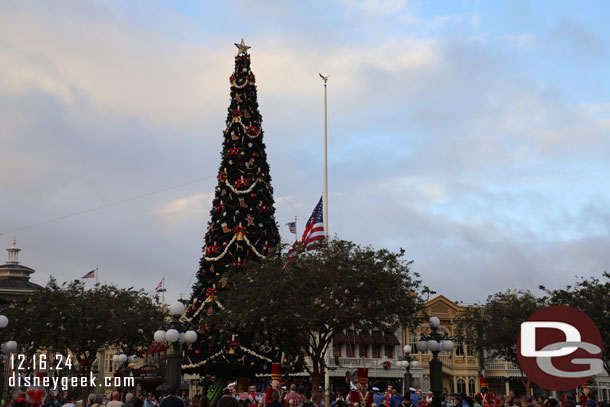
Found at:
<point>315,380</point>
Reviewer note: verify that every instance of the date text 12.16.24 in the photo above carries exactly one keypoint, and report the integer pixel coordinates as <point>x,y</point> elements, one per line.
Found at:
<point>41,362</point>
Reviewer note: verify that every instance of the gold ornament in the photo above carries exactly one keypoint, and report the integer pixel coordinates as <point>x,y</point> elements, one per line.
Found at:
<point>231,351</point>
<point>240,236</point>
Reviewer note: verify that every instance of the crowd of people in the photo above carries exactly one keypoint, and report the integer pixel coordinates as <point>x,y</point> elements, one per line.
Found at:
<point>65,399</point>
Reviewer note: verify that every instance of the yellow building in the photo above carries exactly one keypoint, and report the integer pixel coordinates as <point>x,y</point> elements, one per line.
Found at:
<point>461,370</point>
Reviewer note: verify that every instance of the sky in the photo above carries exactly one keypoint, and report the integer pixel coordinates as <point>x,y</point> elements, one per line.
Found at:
<point>473,134</point>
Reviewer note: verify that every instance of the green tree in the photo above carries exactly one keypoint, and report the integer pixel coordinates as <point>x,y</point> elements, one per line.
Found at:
<point>68,318</point>
<point>591,296</point>
<point>493,327</point>
<point>303,303</point>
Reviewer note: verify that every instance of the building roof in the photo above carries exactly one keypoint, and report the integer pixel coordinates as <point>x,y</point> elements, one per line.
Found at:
<point>15,278</point>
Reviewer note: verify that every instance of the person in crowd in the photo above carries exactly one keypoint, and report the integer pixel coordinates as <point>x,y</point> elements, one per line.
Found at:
<point>290,397</point>
<point>477,401</point>
<point>68,401</point>
<point>98,401</point>
<point>275,399</point>
<point>196,400</point>
<point>187,400</point>
<point>396,399</point>
<point>115,400</point>
<point>415,397</point>
<point>172,400</point>
<point>308,402</point>
<point>378,396</point>
<point>129,400</point>
<point>590,400</point>
<point>228,402</point>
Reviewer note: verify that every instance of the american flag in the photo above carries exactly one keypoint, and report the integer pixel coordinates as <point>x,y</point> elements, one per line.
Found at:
<point>292,226</point>
<point>159,286</point>
<point>314,229</point>
<point>90,274</point>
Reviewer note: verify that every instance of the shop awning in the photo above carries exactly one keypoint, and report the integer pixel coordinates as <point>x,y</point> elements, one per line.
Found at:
<point>353,337</point>
<point>379,338</point>
<point>391,339</point>
<point>366,338</point>
<point>340,338</point>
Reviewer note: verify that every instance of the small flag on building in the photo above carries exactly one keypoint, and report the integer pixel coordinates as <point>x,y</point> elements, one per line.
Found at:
<point>90,274</point>
<point>292,226</point>
<point>159,286</point>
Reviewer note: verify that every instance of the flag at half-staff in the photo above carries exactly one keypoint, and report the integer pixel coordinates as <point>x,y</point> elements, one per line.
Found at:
<point>313,236</point>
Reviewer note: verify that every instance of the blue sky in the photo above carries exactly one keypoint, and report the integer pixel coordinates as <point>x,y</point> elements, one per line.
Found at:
<point>474,134</point>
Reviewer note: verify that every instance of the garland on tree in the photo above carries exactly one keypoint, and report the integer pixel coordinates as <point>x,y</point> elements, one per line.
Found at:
<point>242,228</point>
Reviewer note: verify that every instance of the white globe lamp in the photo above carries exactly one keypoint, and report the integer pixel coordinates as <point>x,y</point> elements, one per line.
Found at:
<point>422,346</point>
<point>176,309</point>
<point>11,346</point>
<point>172,335</point>
<point>190,337</point>
<point>159,336</point>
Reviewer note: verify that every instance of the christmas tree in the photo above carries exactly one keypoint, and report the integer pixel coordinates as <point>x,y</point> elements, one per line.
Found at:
<point>242,229</point>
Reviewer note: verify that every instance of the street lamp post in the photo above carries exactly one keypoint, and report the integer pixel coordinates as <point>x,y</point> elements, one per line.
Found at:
<point>407,363</point>
<point>175,339</point>
<point>435,342</point>
<point>7,348</point>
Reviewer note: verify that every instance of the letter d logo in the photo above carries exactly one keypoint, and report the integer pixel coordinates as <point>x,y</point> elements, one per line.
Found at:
<point>528,338</point>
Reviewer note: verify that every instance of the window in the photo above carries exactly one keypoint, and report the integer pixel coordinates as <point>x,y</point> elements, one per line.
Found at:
<point>413,342</point>
<point>363,351</point>
<point>459,351</point>
<point>461,386</point>
<point>389,352</point>
<point>470,350</point>
<point>376,351</point>
<point>471,389</point>
<point>350,350</point>
<point>337,351</point>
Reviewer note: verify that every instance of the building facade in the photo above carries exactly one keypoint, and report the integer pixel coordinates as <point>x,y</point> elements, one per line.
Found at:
<point>15,281</point>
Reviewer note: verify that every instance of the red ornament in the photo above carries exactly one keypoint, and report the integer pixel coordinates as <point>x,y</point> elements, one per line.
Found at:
<point>252,195</point>
<point>197,352</point>
<point>252,130</point>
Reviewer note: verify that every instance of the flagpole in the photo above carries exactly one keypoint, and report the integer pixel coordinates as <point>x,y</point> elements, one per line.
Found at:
<point>96,273</point>
<point>296,232</point>
<point>325,79</point>
<point>327,355</point>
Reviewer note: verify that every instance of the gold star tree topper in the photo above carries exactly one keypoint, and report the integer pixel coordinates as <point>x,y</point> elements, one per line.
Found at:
<point>242,47</point>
